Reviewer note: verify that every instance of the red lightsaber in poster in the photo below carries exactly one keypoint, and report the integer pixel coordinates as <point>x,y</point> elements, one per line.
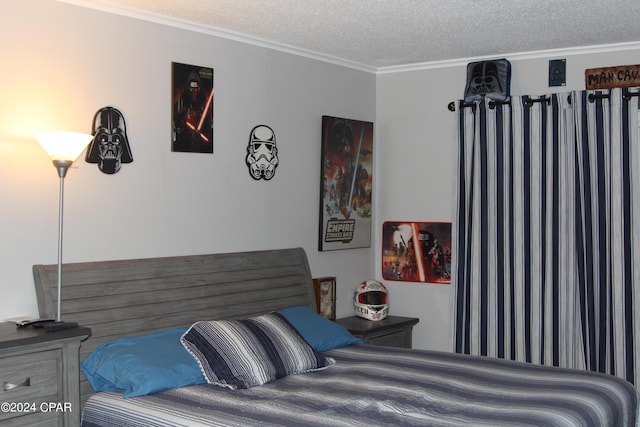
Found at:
<point>207,106</point>
<point>202,119</point>
<point>418,248</point>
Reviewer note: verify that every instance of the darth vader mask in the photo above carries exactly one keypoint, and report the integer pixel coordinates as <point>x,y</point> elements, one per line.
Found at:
<point>110,145</point>
<point>490,79</point>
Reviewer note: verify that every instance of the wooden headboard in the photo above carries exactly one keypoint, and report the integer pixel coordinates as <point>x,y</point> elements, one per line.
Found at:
<point>138,296</point>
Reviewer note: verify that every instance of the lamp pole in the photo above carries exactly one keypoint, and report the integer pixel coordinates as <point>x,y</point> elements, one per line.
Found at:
<point>63,148</point>
<point>62,166</point>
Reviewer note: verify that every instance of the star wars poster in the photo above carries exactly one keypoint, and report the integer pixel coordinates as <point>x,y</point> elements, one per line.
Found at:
<point>416,251</point>
<point>192,108</point>
<point>346,184</point>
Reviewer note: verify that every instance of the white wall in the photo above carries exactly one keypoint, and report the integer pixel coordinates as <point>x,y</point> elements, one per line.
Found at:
<point>416,152</point>
<point>61,63</point>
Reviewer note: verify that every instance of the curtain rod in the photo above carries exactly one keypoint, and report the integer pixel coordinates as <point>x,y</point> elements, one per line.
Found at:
<point>627,95</point>
<point>530,101</point>
<point>492,104</point>
<point>593,96</point>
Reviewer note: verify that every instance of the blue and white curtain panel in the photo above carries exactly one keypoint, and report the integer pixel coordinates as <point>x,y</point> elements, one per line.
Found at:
<point>547,231</point>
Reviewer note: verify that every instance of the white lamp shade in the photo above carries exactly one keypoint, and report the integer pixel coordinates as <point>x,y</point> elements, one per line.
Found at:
<point>61,145</point>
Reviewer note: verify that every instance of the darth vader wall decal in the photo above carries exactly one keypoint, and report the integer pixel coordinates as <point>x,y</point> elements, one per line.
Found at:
<point>110,145</point>
<point>262,153</point>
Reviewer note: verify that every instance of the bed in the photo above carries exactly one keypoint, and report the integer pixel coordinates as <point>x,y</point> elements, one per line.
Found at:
<point>186,300</point>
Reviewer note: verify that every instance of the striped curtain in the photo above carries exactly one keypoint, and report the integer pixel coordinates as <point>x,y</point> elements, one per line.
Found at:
<point>546,247</point>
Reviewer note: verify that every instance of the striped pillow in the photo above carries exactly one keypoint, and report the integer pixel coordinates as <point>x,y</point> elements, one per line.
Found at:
<point>245,353</point>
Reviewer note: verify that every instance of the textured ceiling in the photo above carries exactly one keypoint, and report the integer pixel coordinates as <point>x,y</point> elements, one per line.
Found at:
<point>376,34</point>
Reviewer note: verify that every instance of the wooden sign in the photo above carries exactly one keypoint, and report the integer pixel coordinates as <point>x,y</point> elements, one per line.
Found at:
<point>610,77</point>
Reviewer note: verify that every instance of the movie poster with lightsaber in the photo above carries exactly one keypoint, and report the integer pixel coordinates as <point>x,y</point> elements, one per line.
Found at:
<point>346,184</point>
<point>192,108</point>
<point>416,251</point>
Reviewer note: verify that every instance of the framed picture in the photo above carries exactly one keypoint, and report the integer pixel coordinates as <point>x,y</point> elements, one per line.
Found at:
<point>192,108</point>
<point>346,184</point>
<point>325,288</point>
<point>416,251</point>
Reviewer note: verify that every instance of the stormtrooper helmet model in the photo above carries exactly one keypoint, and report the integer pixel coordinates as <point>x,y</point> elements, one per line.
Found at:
<point>262,153</point>
<point>371,300</point>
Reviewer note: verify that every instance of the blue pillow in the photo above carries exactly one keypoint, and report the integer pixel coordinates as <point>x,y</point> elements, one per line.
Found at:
<point>142,365</point>
<point>321,333</point>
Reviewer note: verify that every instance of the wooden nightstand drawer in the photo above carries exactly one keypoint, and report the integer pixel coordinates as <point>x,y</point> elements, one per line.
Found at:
<point>39,369</point>
<point>31,376</point>
<point>29,379</point>
<point>394,331</point>
<point>399,338</point>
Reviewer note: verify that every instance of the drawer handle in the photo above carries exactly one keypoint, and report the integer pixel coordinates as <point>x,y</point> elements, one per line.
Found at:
<point>11,386</point>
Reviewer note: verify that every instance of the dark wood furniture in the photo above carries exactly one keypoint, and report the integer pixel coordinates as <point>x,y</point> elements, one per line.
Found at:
<point>393,331</point>
<point>40,376</point>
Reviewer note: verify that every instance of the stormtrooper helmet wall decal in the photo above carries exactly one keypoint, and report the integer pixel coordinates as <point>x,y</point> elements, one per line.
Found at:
<point>109,147</point>
<point>262,153</point>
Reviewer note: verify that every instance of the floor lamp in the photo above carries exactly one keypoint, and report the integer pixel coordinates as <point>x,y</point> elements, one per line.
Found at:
<point>63,148</point>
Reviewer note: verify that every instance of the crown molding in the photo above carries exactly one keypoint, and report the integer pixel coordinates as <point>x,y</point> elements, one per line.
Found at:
<point>109,7</point>
<point>122,10</point>
<point>516,56</point>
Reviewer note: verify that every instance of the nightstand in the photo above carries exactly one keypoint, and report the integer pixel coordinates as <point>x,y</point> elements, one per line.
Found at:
<point>40,376</point>
<point>394,331</point>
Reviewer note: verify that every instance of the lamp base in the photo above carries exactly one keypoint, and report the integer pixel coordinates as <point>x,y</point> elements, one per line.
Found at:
<point>58,326</point>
